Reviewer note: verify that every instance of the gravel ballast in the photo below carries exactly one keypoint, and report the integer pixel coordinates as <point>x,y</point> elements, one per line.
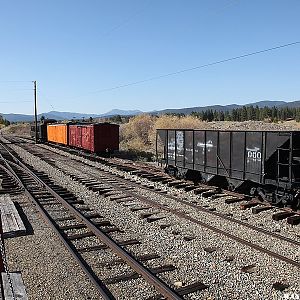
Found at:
<point>48,269</point>
<point>224,277</point>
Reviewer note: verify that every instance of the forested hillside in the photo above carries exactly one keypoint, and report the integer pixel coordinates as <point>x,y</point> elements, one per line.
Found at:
<point>246,113</point>
<point>4,121</point>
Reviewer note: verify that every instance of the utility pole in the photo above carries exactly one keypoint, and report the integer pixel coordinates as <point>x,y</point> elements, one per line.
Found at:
<point>35,112</point>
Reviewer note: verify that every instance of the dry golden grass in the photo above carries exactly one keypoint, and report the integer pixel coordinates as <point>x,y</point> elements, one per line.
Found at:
<point>135,134</point>
<point>175,122</point>
<point>139,133</point>
<point>22,129</point>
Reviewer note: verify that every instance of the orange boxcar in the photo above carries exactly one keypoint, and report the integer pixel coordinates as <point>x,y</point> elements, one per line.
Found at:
<point>58,133</point>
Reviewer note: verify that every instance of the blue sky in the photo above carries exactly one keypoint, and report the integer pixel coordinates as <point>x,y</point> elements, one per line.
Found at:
<point>77,49</point>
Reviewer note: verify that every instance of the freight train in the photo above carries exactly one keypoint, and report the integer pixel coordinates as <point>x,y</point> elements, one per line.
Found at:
<point>41,130</point>
<point>100,138</point>
<point>261,163</point>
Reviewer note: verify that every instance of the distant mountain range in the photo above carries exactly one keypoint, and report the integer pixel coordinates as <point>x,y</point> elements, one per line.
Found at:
<point>58,115</point>
<point>73,115</point>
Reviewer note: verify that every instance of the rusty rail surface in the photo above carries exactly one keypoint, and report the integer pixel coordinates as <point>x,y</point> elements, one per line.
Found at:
<point>160,286</point>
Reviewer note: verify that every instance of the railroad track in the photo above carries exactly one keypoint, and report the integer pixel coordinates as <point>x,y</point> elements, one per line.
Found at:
<point>111,189</point>
<point>154,174</point>
<point>118,189</point>
<point>73,220</point>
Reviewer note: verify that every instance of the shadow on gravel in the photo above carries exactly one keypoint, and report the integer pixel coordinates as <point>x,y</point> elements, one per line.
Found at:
<point>29,228</point>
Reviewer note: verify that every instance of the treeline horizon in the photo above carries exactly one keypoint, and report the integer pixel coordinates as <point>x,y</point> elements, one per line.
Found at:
<point>4,121</point>
<point>244,113</point>
<point>247,113</point>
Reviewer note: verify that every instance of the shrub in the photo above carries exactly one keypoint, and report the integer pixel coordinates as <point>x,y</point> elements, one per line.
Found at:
<point>139,134</point>
<point>135,133</point>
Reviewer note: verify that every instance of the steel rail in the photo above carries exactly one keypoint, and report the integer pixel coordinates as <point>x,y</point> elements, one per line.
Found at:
<point>253,227</point>
<point>7,170</point>
<point>105,293</point>
<point>122,253</point>
<point>183,215</point>
<point>203,209</point>
<point>220,215</point>
<point>217,230</point>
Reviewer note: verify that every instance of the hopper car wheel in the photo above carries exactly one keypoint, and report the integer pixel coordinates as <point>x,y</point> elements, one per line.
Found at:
<point>298,203</point>
<point>171,170</point>
<point>297,200</point>
<point>231,187</point>
<point>253,191</point>
<point>260,192</point>
<point>288,200</point>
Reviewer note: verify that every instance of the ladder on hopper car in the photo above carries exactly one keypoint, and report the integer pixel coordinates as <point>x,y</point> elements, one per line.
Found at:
<point>288,165</point>
<point>288,173</point>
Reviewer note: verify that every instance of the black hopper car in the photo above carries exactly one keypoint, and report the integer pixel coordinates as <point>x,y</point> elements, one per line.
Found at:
<point>41,130</point>
<point>261,163</point>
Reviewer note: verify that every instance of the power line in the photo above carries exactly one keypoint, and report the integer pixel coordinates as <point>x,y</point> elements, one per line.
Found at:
<point>126,20</point>
<point>195,68</point>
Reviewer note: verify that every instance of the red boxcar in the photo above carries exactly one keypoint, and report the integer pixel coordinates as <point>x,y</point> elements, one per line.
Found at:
<point>96,138</point>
